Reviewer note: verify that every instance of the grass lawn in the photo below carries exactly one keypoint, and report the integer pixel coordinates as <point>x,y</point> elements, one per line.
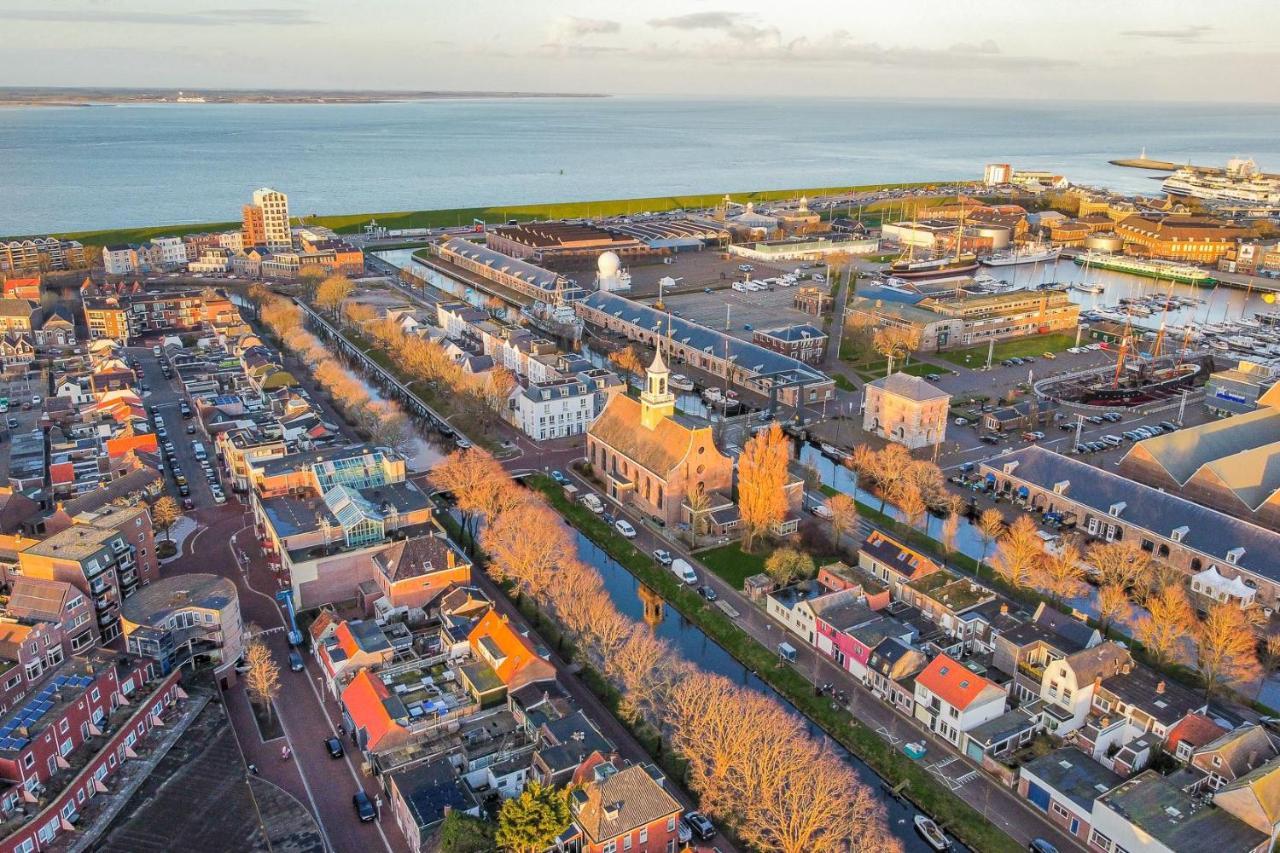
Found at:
<point>876,370</point>
<point>843,382</point>
<point>351,223</point>
<point>730,563</point>
<point>1033,346</point>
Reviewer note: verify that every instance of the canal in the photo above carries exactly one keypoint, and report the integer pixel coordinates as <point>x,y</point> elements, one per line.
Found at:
<point>696,647</point>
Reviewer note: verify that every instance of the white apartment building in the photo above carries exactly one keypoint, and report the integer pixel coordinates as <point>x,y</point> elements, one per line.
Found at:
<point>168,252</point>
<point>120,260</point>
<point>554,409</point>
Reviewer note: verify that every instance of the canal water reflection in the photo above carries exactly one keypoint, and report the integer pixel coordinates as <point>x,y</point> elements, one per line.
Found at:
<point>701,650</point>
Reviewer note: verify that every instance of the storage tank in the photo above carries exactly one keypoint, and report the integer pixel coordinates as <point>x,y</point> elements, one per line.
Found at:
<point>1104,241</point>
<point>998,234</point>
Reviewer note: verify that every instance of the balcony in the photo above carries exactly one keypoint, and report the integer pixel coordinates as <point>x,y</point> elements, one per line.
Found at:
<point>1032,670</point>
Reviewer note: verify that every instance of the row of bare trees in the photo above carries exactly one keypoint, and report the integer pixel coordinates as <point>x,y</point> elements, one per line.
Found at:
<point>750,761</point>
<point>913,485</point>
<point>481,395</point>
<point>385,422</point>
<point>1137,589</point>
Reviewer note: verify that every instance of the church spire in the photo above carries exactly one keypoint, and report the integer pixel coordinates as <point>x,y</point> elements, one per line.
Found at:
<point>656,402</point>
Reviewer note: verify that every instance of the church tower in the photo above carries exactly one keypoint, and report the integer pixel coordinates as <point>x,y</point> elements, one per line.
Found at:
<point>656,402</point>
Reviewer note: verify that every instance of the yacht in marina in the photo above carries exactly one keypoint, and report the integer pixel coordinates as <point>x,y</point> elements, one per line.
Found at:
<point>1032,253</point>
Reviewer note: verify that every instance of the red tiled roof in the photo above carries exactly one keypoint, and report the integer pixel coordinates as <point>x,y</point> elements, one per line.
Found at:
<point>364,700</point>
<point>62,472</point>
<point>1196,730</point>
<point>952,682</point>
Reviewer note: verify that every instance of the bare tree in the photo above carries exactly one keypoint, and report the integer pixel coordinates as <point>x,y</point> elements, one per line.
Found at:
<point>909,500</point>
<point>893,342</point>
<point>990,527</point>
<point>1226,649</point>
<point>332,292</point>
<point>1119,562</point>
<point>762,480</point>
<point>844,515</point>
<point>1113,605</point>
<point>518,554</point>
<point>951,524</point>
<point>1060,573</point>
<point>262,679</point>
<point>1168,622</point>
<point>1019,552</point>
<point>165,514</point>
<point>627,361</point>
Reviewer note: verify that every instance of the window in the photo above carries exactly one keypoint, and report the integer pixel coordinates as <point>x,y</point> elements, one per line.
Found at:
<point>610,847</point>
<point>671,824</point>
<point>626,842</point>
<point>28,760</point>
<point>644,835</point>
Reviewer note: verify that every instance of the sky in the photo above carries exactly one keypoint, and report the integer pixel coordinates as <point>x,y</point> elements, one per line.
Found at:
<point>983,49</point>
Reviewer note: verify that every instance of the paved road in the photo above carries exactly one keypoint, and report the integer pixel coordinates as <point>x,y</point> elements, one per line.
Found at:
<point>993,800</point>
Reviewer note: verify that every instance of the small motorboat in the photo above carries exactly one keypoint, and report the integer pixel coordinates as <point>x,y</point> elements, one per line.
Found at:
<point>915,751</point>
<point>712,395</point>
<point>680,382</point>
<point>931,834</point>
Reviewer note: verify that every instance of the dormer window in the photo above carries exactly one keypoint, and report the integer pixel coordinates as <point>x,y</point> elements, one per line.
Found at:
<point>1117,508</point>
<point>1179,533</point>
<point>1060,487</point>
<point>1235,555</point>
<point>1010,467</point>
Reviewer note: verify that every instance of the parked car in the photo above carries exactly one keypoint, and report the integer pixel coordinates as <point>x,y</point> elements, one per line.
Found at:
<point>662,556</point>
<point>685,572</point>
<point>1039,845</point>
<point>1113,417</point>
<point>1169,426</point>
<point>701,826</point>
<point>988,438</point>
<point>295,661</point>
<point>933,377</point>
<point>560,478</point>
<point>188,504</point>
<point>624,527</point>
<point>462,443</point>
<point>592,502</point>
<point>191,429</point>
<point>1095,419</point>
<point>364,806</point>
<point>821,511</point>
<point>707,592</point>
<point>184,490</point>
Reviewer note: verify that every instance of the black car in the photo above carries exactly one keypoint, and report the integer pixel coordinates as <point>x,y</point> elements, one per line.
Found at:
<point>1039,845</point>
<point>364,806</point>
<point>184,491</point>
<point>701,827</point>
<point>988,438</point>
<point>708,593</point>
<point>334,745</point>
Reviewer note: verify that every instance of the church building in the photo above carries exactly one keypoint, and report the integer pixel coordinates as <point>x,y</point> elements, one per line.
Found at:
<point>650,457</point>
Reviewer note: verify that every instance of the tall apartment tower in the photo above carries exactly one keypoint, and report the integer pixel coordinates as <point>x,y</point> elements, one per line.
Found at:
<point>266,221</point>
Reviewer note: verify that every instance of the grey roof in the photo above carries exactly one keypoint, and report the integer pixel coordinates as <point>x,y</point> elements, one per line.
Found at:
<point>1208,531</point>
<point>1074,775</point>
<point>1064,625</point>
<point>911,387</point>
<point>751,357</point>
<point>1009,724</point>
<point>430,790</point>
<point>543,279</point>
<point>152,604</point>
<point>1182,452</point>
<point>1160,806</point>
<point>1165,700</point>
<point>798,332</point>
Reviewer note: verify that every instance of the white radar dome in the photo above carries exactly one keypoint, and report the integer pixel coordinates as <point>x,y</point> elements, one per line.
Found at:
<point>608,264</point>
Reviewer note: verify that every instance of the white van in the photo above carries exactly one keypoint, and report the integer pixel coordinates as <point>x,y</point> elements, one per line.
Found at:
<point>592,502</point>
<point>684,571</point>
<point>198,448</point>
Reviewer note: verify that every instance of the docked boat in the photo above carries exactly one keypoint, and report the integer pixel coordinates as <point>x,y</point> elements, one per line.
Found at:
<point>929,831</point>
<point>943,267</point>
<point>1168,270</point>
<point>1088,288</point>
<point>1033,253</point>
<point>680,382</point>
<point>712,395</point>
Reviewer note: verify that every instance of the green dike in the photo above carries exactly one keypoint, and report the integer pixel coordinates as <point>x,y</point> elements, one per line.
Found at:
<point>959,818</point>
<point>350,223</point>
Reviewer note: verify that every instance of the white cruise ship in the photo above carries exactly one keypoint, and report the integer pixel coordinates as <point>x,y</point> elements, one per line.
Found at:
<point>1033,253</point>
<point>1240,182</point>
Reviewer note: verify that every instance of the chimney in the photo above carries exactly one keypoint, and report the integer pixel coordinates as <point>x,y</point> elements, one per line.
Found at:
<point>1160,688</point>
<point>452,559</point>
<point>1004,609</point>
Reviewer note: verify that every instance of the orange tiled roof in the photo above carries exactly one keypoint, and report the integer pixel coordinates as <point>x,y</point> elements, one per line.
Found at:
<point>365,700</point>
<point>952,682</point>
<point>507,652</point>
<point>119,446</point>
<point>345,641</point>
<point>1196,730</point>
<point>659,450</point>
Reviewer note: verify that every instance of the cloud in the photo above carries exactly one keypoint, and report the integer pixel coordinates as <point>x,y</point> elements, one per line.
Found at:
<point>208,18</point>
<point>576,28</point>
<point>735,25</point>
<point>1190,33</point>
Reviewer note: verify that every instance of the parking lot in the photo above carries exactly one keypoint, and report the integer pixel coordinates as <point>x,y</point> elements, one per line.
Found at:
<point>22,416</point>
<point>762,309</point>
<point>163,399</point>
<point>695,270</point>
